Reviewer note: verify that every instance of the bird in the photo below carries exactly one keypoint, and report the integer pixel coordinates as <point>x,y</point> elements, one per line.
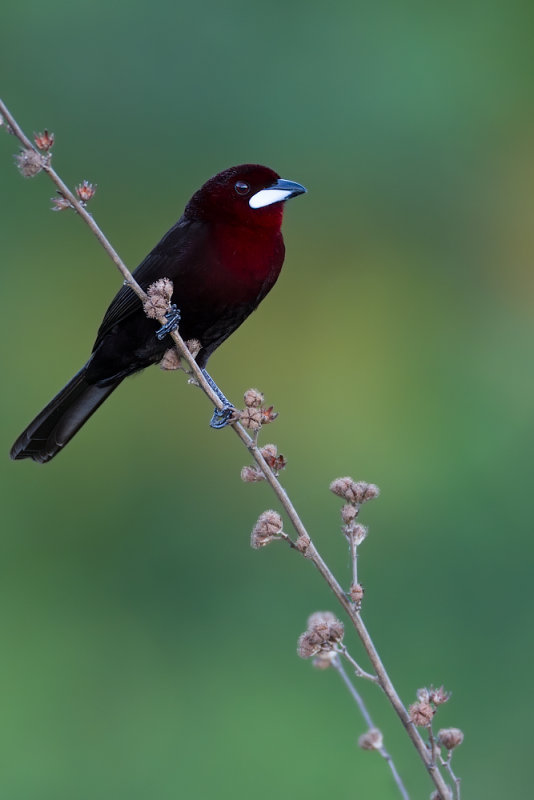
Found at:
<point>223,256</point>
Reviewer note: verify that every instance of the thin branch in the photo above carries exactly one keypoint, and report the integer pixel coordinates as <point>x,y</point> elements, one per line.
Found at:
<point>457,781</point>
<point>354,559</point>
<point>433,745</point>
<point>311,552</point>
<point>338,666</point>
<point>358,671</point>
<point>398,780</point>
<point>336,663</point>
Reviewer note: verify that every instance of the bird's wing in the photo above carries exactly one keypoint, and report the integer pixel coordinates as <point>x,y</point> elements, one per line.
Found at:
<point>167,260</point>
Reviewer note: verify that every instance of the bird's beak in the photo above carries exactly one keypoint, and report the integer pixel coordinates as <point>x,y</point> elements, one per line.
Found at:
<point>277,192</point>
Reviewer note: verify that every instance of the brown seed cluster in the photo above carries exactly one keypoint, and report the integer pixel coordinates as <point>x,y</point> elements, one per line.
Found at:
<point>255,414</point>
<point>85,191</point>
<point>251,418</point>
<point>253,398</point>
<point>171,359</point>
<point>356,593</point>
<point>323,660</point>
<point>275,461</point>
<point>268,528</point>
<point>349,513</point>
<point>371,740</point>
<point>421,714</point>
<point>303,545</point>
<point>356,531</point>
<point>450,738</point>
<point>355,492</point>
<point>428,700</point>
<point>29,163</point>
<point>323,633</point>
<point>253,474</point>
<point>159,298</point>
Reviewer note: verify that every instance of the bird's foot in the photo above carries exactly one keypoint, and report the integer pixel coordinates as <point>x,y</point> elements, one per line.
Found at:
<point>223,417</point>
<point>173,316</point>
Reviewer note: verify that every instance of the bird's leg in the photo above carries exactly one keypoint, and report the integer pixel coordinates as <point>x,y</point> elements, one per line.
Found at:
<point>221,416</point>
<point>174,316</point>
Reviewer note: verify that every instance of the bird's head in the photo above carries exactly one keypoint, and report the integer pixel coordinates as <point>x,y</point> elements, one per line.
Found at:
<point>249,195</point>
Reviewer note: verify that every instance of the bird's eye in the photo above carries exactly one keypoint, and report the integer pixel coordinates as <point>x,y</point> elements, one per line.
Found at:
<point>241,187</point>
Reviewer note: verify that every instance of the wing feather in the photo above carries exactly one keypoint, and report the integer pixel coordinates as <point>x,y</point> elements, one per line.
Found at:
<point>171,258</point>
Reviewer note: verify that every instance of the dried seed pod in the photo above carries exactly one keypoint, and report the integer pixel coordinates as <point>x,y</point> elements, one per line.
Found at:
<point>450,737</point>
<point>371,740</point>
<point>29,163</point>
<point>251,418</point>
<point>253,398</point>
<point>268,527</point>
<point>421,714</point>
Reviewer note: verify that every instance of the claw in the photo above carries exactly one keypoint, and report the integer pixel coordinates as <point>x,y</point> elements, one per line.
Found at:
<point>174,316</point>
<point>222,417</point>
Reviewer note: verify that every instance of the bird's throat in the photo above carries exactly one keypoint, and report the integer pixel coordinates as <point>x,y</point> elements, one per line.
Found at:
<point>250,255</point>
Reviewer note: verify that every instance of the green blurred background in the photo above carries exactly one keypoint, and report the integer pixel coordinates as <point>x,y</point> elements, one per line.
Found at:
<point>147,651</point>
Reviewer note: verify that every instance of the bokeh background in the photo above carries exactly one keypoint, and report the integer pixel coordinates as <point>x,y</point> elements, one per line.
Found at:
<point>147,651</point>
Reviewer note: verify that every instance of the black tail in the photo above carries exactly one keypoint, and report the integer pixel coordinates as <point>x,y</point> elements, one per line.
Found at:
<point>61,419</point>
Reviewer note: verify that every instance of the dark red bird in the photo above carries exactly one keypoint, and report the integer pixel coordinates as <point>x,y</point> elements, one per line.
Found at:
<point>223,256</point>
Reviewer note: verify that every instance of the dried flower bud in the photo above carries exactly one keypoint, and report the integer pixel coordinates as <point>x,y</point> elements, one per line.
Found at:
<point>308,645</point>
<point>252,475</point>
<point>356,492</point>
<point>60,203</point>
<point>85,191</point>
<point>356,532</point>
<point>269,452</point>
<point>275,461</point>
<point>29,163</point>
<point>268,415</point>
<point>369,491</point>
<point>321,618</point>
<point>371,740</point>
<point>356,592</point>
<point>44,141</point>
<point>193,345</point>
<point>450,737</point>
<point>421,714</point>
<point>336,631</point>
<point>439,696</point>
<point>253,398</point>
<point>326,627</point>
<point>251,419</point>
<point>348,513</point>
<point>268,527</point>
<point>344,487</point>
<point>170,360</point>
<point>302,544</point>
<point>323,660</point>
<point>159,297</point>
